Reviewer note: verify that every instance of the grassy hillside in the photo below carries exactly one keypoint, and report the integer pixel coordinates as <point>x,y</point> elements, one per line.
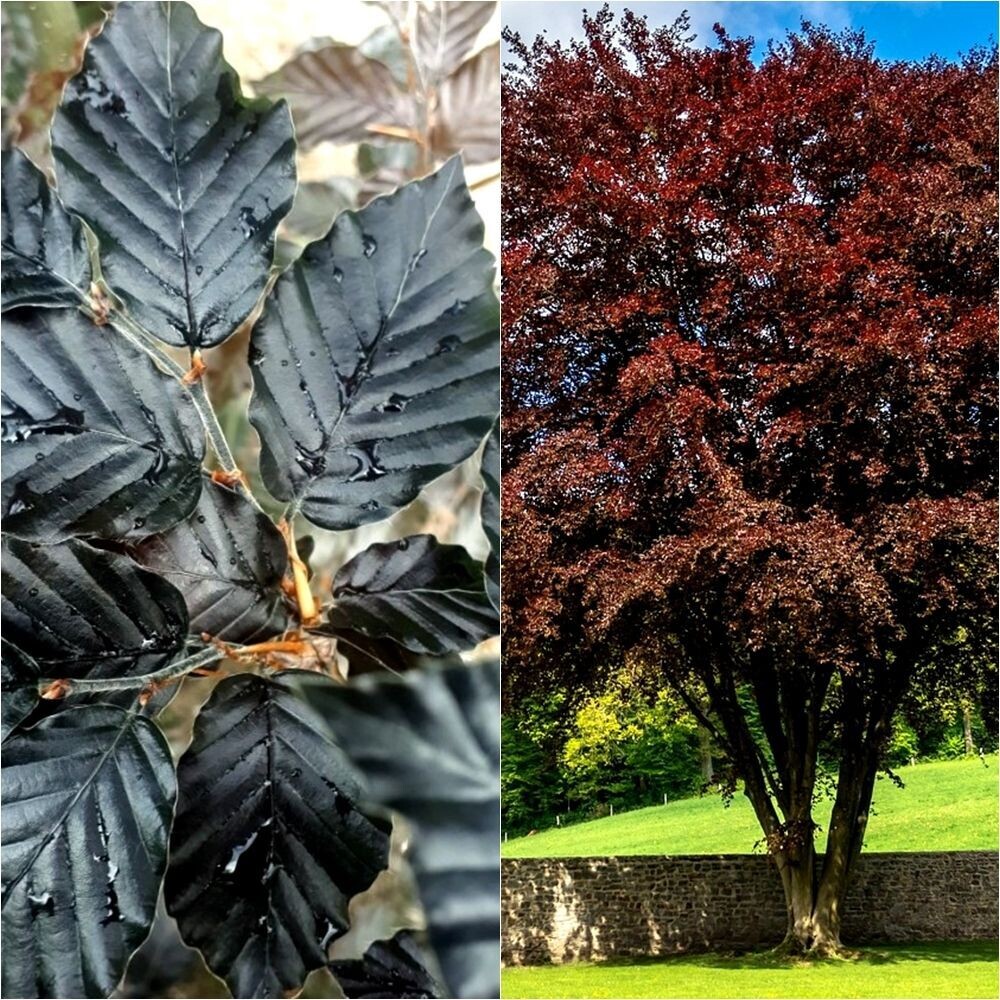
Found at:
<point>916,970</point>
<point>945,806</point>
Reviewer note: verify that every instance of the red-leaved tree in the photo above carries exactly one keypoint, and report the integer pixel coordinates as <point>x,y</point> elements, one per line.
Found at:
<point>750,415</point>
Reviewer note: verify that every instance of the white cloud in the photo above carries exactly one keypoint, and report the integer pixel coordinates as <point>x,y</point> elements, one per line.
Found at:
<point>763,19</point>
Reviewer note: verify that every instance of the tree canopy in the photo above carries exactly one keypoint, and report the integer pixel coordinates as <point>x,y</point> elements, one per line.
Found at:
<point>750,421</point>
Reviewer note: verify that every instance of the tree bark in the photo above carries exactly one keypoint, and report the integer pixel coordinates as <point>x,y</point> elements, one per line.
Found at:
<point>705,755</point>
<point>970,746</point>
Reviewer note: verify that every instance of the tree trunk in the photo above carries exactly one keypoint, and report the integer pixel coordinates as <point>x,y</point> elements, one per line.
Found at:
<point>705,755</point>
<point>970,747</point>
<point>813,908</point>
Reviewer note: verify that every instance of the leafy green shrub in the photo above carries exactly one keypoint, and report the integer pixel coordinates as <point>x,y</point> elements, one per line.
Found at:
<point>903,745</point>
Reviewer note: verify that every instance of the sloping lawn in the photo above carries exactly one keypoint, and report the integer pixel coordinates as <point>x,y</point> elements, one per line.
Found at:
<point>952,971</point>
<point>945,806</point>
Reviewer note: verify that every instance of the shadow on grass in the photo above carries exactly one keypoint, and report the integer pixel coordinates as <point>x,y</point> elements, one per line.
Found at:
<point>873,955</point>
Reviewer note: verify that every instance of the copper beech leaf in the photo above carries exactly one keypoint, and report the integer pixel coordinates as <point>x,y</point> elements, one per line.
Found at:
<point>88,797</point>
<point>423,595</point>
<point>228,560</point>
<point>376,360</point>
<point>45,261</point>
<point>428,745</point>
<point>182,178</point>
<point>490,511</point>
<point>269,844</point>
<point>340,93</point>
<point>445,34</point>
<point>336,93</point>
<point>71,611</point>
<point>18,690</point>
<point>392,968</point>
<point>468,109</point>
<point>96,440</point>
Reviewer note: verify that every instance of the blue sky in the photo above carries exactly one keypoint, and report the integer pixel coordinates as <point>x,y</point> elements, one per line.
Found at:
<point>900,30</point>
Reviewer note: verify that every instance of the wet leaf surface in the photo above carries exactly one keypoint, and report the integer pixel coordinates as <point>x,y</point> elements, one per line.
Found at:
<point>72,611</point>
<point>490,511</point>
<point>87,803</point>
<point>366,654</point>
<point>183,180</point>
<point>375,362</point>
<point>96,441</point>
<point>228,560</point>
<point>44,254</point>
<point>268,845</point>
<point>424,595</point>
<point>18,694</point>
<point>393,968</point>
<point>428,745</point>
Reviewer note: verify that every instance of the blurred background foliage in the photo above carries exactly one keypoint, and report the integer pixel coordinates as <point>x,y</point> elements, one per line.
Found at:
<point>380,93</point>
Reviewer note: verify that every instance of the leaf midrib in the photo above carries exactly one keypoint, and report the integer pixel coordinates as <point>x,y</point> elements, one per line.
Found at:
<point>175,166</point>
<point>370,354</point>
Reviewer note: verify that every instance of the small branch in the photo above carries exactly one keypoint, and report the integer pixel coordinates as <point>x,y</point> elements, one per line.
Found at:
<point>396,132</point>
<point>191,379</point>
<point>199,393</point>
<point>260,650</point>
<point>54,688</point>
<point>417,88</point>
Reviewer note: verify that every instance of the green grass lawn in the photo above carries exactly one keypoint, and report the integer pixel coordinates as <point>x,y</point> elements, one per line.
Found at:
<point>954,971</point>
<point>945,806</point>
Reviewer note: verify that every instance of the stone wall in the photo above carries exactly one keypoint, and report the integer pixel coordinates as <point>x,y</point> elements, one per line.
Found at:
<point>568,909</point>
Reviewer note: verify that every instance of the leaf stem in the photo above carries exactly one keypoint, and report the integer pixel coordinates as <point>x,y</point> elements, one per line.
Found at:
<point>417,88</point>
<point>308,612</point>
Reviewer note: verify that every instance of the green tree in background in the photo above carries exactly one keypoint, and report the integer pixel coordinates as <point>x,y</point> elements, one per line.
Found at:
<point>628,750</point>
<point>531,786</point>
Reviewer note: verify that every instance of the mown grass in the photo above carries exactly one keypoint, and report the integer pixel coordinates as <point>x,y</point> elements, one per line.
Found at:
<point>918,971</point>
<point>945,806</point>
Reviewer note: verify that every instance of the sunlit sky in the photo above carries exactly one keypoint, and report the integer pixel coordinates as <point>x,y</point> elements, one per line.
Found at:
<point>900,30</point>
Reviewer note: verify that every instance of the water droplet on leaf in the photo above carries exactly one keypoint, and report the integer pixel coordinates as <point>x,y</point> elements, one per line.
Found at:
<point>312,461</point>
<point>366,455</point>
<point>41,903</point>
<point>249,223</point>
<point>396,403</point>
<point>447,344</point>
